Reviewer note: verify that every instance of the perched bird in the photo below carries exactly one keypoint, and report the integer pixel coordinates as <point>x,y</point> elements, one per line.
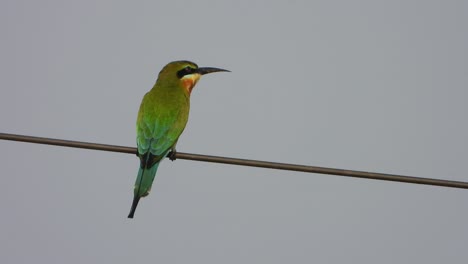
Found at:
<point>162,118</point>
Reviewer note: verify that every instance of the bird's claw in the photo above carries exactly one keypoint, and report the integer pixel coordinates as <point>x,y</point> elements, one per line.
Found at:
<point>172,155</point>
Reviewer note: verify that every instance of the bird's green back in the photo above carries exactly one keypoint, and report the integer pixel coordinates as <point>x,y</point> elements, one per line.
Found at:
<point>162,118</point>
<point>163,115</point>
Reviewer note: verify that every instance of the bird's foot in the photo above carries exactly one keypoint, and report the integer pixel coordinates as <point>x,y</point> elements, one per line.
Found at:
<point>172,155</point>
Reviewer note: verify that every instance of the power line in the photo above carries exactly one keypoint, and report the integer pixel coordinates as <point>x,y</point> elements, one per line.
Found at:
<point>243,162</point>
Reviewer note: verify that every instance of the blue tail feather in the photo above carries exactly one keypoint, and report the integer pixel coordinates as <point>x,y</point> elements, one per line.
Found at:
<point>143,185</point>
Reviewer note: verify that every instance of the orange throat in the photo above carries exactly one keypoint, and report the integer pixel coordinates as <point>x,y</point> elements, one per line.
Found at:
<point>189,81</point>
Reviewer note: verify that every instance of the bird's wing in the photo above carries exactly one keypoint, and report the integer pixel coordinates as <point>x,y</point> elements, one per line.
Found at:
<point>157,129</point>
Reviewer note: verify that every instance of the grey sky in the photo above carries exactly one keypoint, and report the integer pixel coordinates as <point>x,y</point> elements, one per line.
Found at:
<point>367,85</point>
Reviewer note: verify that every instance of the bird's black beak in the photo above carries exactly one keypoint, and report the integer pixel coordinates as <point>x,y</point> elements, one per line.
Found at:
<point>205,70</point>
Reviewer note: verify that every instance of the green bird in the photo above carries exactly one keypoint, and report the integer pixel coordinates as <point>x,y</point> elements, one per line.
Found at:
<point>162,117</point>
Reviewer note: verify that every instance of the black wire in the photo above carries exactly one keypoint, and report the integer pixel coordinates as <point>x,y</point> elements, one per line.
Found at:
<point>243,162</point>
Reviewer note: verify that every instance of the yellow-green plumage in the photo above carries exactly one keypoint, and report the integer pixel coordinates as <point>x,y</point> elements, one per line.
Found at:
<point>161,120</point>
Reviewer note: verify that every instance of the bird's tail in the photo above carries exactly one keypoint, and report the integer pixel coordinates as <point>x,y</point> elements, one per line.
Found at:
<point>143,184</point>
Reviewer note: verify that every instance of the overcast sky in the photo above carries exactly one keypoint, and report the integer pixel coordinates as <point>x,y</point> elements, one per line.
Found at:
<point>367,85</point>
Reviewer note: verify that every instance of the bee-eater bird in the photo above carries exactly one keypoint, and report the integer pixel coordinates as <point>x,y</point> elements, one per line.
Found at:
<point>162,118</point>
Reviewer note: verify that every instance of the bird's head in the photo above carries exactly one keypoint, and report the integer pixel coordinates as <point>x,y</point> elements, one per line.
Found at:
<point>186,73</point>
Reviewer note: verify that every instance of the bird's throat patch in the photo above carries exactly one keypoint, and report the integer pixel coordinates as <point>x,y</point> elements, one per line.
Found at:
<point>189,81</point>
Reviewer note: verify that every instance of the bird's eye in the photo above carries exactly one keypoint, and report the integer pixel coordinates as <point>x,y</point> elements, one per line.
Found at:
<point>188,69</point>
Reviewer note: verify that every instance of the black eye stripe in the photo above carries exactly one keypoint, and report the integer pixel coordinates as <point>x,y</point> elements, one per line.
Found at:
<point>185,71</point>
